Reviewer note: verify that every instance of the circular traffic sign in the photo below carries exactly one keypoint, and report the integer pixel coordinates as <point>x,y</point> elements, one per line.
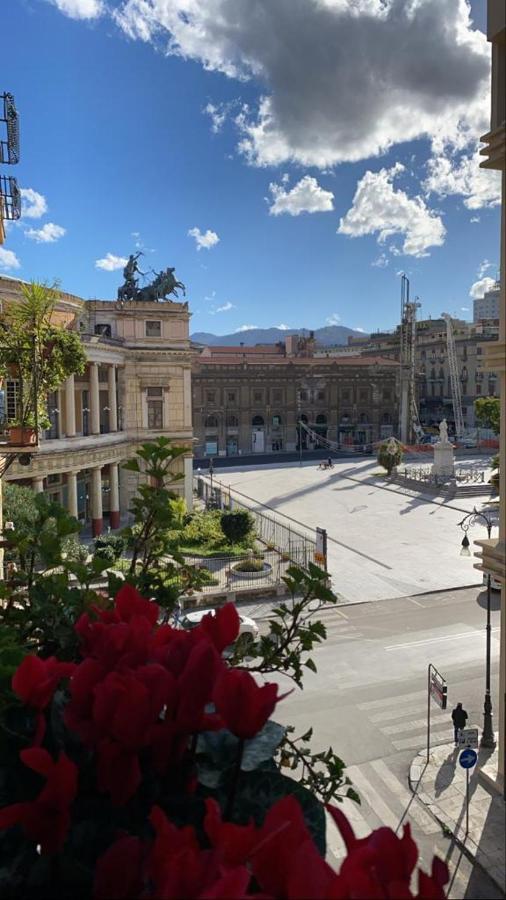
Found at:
<point>467,758</point>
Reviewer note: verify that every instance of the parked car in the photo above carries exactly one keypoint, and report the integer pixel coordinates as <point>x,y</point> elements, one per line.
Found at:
<point>494,583</point>
<point>192,619</point>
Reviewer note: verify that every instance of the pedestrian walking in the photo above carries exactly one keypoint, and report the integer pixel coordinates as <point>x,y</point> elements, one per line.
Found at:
<point>459,719</point>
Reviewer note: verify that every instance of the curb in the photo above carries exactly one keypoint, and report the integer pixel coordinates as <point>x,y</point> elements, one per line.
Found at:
<point>466,845</point>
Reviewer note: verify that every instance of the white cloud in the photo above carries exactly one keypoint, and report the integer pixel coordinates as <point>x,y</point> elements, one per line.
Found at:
<point>110,262</point>
<point>342,80</point>
<point>357,328</point>
<point>8,259</point>
<point>482,268</point>
<point>464,308</point>
<point>225,308</point>
<point>305,196</point>
<point>283,327</point>
<point>480,287</point>
<point>245,328</point>
<point>80,9</point>
<point>474,219</point>
<point>48,234</point>
<point>334,319</point>
<point>206,239</point>
<point>461,174</point>
<point>217,114</point>
<point>379,208</point>
<point>33,204</point>
<point>381,262</point>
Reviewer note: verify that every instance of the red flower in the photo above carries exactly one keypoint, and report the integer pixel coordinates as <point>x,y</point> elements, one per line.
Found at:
<point>129,604</point>
<point>223,627</point>
<point>118,872</point>
<point>35,682</point>
<point>243,705</point>
<point>234,842</point>
<point>46,820</point>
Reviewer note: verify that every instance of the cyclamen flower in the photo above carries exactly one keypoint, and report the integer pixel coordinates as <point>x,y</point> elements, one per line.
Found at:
<point>46,820</point>
<point>35,682</point>
<point>244,705</point>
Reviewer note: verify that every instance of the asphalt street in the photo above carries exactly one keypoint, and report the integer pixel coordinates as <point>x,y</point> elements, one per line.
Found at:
<point>368,700</point>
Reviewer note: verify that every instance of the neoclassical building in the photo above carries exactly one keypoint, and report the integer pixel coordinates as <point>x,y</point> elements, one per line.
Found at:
<point>136,386</point>
<point>250,399</point>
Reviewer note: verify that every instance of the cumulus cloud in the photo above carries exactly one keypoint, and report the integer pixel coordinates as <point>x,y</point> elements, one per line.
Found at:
<point>110,262</point>
<point>334,319</point>
<point>483,267</point>
<point>379,208</point>
<point>480,287</point>
<point>80,9</point>
<point>204,240</point>
<point>460,174</point>
<point>8,259</point>
<point>381,262</point>
<point>340,80</point>
<point>33,204</point>
<point>305,196</point>
<point>48,234</point>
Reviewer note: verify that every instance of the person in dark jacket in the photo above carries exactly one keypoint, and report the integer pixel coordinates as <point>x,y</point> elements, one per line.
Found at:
<point>459,719</point>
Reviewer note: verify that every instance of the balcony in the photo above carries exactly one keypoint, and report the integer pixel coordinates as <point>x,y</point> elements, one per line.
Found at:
<point>492,558</point>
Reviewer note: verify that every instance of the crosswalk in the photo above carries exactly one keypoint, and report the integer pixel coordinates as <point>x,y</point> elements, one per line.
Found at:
<point>398,718</point>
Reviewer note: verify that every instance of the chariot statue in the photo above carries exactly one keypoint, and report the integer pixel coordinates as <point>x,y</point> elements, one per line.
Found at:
<point>159,289</point>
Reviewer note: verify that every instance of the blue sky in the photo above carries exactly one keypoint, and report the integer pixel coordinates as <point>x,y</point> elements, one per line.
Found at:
<point>328,159</point>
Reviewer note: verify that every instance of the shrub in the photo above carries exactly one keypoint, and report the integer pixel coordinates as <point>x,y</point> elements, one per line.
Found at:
<point>109,546</point>
<point>236,525</point>
<point>250,565</point>
<point>390,454</point>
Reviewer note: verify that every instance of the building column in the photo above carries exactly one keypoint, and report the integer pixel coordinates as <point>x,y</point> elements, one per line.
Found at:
<point>114,513</point>
<point>72,494</point>
<point>70,407</point>
<point>188,482</point>
<point>38,485</point>
<point>97,521</point>
<point>113,405</point>
<point>94,399</point>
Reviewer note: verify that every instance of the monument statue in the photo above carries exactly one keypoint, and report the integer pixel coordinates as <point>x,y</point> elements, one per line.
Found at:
<point>443,432</point>
<point>163,284</point>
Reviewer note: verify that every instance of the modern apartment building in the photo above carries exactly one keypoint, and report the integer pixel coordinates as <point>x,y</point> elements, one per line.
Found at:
<point>487,307</point>
<point>136,386</point>
<point>250,399</point>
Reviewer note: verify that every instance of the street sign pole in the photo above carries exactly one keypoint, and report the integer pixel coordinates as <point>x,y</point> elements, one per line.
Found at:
<point>428,711</point>
<point>467,760</point>
<point>467,802</point>
<point>437,690</point>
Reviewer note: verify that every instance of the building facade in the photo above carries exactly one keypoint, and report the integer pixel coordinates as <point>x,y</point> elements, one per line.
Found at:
<point>136,387</point>
<point>250,399</point>
<point>487,307</point>
<point>432,366</point>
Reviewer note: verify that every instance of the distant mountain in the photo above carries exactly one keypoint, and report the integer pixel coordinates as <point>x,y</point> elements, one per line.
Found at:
<point>327,336</point>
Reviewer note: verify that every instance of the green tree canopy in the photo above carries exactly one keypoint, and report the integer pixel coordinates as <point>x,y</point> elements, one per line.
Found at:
<point>488,412</point>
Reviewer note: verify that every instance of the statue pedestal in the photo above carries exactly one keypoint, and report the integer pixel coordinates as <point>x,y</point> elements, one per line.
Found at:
<point>444,460</point>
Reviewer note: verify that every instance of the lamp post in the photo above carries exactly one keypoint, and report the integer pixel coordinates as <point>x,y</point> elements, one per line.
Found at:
<point>480,518</point>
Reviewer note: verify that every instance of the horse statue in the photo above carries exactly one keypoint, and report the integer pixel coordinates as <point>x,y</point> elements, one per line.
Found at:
<point>164,283</point>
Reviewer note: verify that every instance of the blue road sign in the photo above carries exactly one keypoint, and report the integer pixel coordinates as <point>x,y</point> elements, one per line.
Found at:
<point>467,758</point>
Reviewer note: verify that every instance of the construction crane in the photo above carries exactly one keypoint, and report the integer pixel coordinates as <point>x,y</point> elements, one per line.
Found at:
<point>409,419</point>
<point>454,378</point>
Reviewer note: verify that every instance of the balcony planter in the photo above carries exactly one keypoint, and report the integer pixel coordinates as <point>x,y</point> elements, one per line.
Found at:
<point>22,436</point>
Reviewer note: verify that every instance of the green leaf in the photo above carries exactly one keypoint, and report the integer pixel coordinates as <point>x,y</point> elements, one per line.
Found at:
<point>262,746</point>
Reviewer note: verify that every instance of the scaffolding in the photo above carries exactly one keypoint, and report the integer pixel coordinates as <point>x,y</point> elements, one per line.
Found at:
<point>454,377</point>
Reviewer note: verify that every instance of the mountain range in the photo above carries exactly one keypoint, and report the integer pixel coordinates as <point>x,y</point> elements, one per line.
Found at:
<point>326,336</point>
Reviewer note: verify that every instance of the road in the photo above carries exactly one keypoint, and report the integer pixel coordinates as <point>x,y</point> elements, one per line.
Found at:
<point>368,700</point>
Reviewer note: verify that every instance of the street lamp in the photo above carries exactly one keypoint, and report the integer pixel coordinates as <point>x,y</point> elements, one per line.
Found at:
<point>480,518</point>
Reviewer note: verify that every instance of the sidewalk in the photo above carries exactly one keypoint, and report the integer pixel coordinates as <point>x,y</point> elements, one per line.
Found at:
<point>441,786</point>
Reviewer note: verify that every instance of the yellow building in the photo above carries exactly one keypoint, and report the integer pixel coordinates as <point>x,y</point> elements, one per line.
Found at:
<point>493,552</point>
<point>136,387</point>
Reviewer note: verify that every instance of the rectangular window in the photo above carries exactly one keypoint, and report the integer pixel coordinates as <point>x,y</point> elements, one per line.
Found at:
<point>53,479</point>
<point>277,395</point>
<point>345,395</point>
<point>231,396</point>
<point>12,397</point>
<point>153,329</point>
<point>387,395</point>
<point>103,328</point>
<point>211,396</point>
<point>320,395</point>
<point>258,396</point>
<point>364,395</point>
<point>478,388</point>
<point>303,396</point>
<point>276,421</point>
<point>155,407</point>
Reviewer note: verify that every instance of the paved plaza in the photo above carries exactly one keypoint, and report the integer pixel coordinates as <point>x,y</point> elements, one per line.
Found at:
<point>384,540</point>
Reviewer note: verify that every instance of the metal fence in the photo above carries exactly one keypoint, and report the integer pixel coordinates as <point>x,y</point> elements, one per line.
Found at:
<point>289,543</point>
<point>460,476</point>
<point>225,574</point>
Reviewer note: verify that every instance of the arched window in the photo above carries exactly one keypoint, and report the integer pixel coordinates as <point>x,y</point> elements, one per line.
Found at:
<point>257,421</point>
<point>232,422</point>
<point>211,422</point>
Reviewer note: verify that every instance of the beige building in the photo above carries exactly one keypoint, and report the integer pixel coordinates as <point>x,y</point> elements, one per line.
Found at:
<point>432,367</point>
<point>493,552</point>
<point>136,386</point>
<point>250,399</point>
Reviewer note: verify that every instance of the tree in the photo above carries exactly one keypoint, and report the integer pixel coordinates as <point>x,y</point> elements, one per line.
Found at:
<point>236,525</point>
<point>38,352</point>
<point>488,412</point>
<point>390,454</point>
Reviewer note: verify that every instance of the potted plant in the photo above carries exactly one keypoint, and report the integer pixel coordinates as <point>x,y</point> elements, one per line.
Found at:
<point>39,354</point>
